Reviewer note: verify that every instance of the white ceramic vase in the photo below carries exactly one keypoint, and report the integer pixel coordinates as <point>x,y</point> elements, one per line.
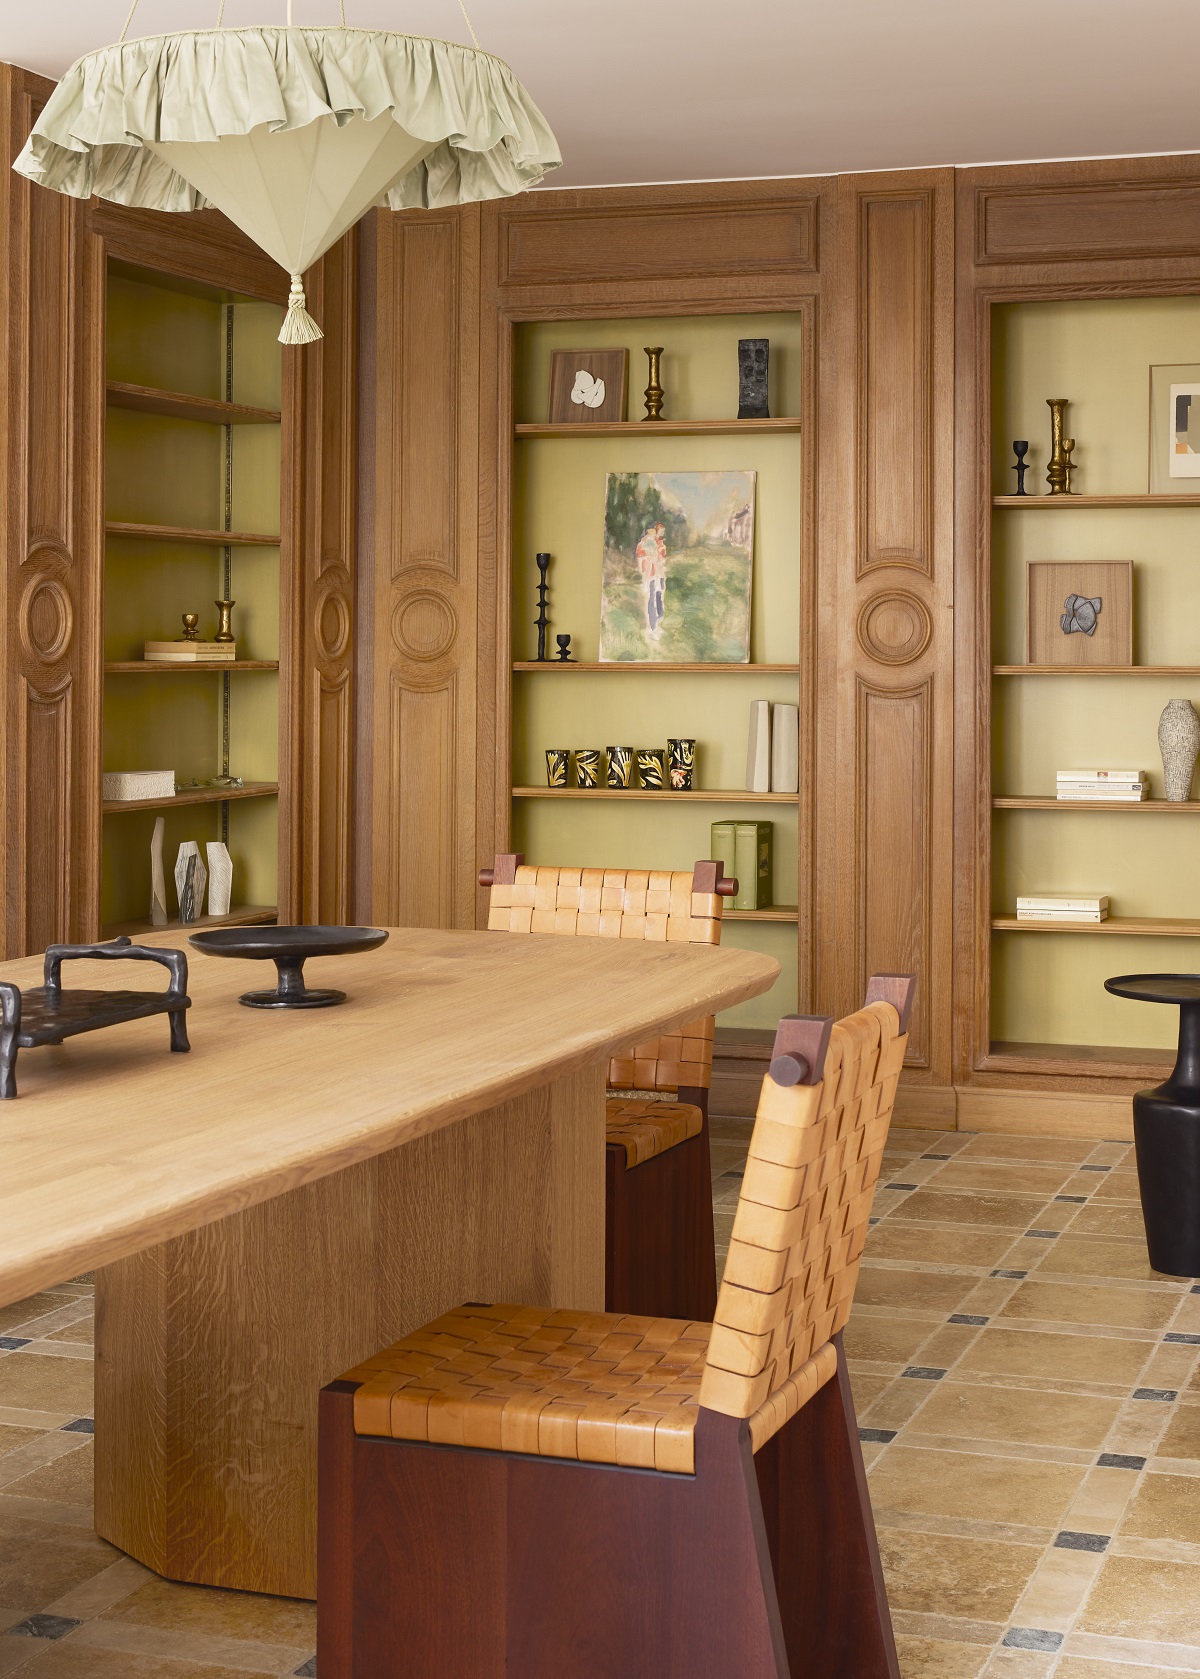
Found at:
<point>1179,743</point>
<point>220,877</point>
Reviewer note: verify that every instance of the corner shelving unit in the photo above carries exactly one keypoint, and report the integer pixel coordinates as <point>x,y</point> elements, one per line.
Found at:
<point>1049,1013</point>
<point>559,476</point>
<point>192,514</point>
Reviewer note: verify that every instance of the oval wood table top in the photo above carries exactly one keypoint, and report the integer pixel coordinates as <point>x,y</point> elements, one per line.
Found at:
<point>114,1144</point>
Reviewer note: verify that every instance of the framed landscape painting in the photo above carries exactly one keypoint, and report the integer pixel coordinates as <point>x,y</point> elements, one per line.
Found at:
<point>678,557</point>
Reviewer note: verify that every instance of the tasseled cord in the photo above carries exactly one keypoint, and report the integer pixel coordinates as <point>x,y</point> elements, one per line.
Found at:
<point>298,325</point>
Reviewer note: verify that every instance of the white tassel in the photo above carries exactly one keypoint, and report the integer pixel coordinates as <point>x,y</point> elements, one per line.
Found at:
<point>298,325</point>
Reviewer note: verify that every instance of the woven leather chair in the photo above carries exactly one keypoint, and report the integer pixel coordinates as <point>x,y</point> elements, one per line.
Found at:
<point>515,1490</point>
<point>659,1253</point>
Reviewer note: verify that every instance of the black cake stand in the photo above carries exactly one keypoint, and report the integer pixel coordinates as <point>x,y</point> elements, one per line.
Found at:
<point>289,948</point>
<point>1166,1129</point>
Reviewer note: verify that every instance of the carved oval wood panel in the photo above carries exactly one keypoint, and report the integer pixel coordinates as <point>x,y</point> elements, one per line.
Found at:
<point>47,620</point>
<point>894,627</point>
<point>424,625</point>
<point>332,622</point>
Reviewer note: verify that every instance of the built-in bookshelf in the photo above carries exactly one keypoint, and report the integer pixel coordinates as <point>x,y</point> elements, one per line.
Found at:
<point>559,480</point>
<point>1049,1010</point>
<point>192,442</point>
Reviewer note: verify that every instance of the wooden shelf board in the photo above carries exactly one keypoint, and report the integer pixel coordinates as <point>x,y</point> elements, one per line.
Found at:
<point>1077,1060</point>
<point>702,796</point>
<point>1097,501</point>
<point>249,915</point>
<point>1151,807</point>
<point>661,428</point>
<point>194,796</point>
<point>777,912</point>
<point>157,667</point>
<point>178,405</point>
<point>628,668</point>
<point>1096,670</point>
<point>184,533</point>
<point>1151,926</point>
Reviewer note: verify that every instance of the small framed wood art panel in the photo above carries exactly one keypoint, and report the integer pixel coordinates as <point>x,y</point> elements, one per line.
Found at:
<point>1079,612</point>
<point>587,385</point>
<point>1175,429</point>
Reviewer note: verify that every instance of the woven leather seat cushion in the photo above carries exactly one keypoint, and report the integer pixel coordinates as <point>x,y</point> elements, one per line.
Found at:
<point>593,1386</point>
<point>646,1128</point>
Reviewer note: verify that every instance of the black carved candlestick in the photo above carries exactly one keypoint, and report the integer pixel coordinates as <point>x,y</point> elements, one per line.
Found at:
<point>543,565</point>
<point>1020,450</point>
<point>564,650</point>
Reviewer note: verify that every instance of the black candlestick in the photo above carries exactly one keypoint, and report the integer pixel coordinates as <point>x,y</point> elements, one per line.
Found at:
<point>564,650</point>
<point>1020,450</point>
<point>543,565</point>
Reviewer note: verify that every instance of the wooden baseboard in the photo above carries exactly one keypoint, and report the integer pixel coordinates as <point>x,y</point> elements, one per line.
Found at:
<point>925,1107</point>
<point>1046,1114</point>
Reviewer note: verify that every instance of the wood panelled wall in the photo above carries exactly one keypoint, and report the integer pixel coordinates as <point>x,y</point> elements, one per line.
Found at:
<point>55,253</point>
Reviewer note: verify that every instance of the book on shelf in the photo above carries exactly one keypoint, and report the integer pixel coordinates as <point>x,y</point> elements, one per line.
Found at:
<point>723,846</point>
<point>785,742</point>
<point>758,748</point>
<point>1100,775</point>
<point>1103,796</point>
<point>1068,917</point>
<point>1055,901</point>
<point>1128,786</point>
<point>752,857</point>
<point>191,652</point>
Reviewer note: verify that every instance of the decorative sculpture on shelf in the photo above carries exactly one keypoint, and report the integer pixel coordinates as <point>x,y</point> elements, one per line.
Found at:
<point>542,561</point>
<point>158,883</point>
<point>225,624</point>
<point>1058,469</point>
<point>752,378</point>
<point>191,626</point>
<point>1020,450</point>
<point>220,877</point>
<point>654,390</point>
<point>1081,614</point>
<point>190,879</point>
<point>564,650</point>
<point>1179,743</point>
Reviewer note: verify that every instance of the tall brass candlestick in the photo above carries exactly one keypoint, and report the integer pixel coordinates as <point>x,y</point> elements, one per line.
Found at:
<point>654,391</point>
<point>1058,469</point>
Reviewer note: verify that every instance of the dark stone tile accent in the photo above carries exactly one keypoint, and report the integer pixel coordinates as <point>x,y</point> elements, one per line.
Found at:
<point>935,1157</point>
<point>874,1219</point>
<point>923,1373</point>
<point>1086,1168</point>
<point>967,1317</point>
<point>1044,1235</point>
<point>738,1175</point>
<point>1031,1638</point>
<point>1080,1200</point>
<point>1196,1288</point>
<point>882,1435</point>
<point>81,1425</point>
<point>44,1626</point>
<point>1068,1541</point>
<point>308,1670</point>
<point>1019,1275</point>
<point>1178,1340</point>
<point>10,1343</point>
<point>1119,1460</point>
<point>898,1186</point>
<point>1164,1395</point>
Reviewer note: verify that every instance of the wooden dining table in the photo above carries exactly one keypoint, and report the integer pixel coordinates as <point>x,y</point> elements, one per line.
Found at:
<point>307,1186</point>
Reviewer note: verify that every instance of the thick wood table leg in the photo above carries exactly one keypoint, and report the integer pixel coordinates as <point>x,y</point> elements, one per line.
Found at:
<point>211,1349</point>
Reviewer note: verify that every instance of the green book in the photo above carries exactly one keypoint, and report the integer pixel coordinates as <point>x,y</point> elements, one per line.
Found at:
<point>721,846</point>
<point>752,855</point>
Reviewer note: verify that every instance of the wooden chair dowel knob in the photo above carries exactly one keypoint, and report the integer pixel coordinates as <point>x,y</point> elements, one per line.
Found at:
<point>790,1069</point>
<point>727,888</point>
<point>486,877</point>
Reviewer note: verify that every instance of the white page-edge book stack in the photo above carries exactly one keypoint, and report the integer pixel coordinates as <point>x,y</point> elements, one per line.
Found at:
<point>1082,908</point>
<point>1121,786</point>
<point>772,749</point>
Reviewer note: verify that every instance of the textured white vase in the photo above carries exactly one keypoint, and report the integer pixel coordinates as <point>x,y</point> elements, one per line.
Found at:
<point>158,882</point>
<point>220,877</point>
<point>189,851</point>
<point>1179,743</point>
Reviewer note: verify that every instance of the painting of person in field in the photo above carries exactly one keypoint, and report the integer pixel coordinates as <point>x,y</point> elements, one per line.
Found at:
<point>678,553</point>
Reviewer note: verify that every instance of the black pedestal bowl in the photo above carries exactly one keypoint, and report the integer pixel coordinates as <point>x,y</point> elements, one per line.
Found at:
<point>289,948</point>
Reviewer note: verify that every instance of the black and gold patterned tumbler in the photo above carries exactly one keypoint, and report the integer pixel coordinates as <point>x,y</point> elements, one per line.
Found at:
<point>587,766</point>
<point>682,754</point>
<point>620,766</point>
<point>651,767</point>
<point>557,760</point>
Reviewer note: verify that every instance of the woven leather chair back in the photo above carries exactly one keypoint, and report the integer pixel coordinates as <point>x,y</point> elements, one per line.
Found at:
<point>622,904</point>
<point>801,1221</point>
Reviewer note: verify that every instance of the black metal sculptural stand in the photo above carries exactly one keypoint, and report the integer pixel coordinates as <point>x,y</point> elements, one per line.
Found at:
<point>47,1014</point>
<point>564,650</point>
<point>1166,1130</point>
<point>753,354</point>
<point>1020,450</point>
<point>543,564</point>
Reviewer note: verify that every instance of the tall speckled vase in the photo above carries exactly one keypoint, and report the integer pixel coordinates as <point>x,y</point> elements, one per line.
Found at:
<point>1179,743</point>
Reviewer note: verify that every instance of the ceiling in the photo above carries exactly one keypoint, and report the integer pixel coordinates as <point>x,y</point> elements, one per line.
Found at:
<point>662,90</point>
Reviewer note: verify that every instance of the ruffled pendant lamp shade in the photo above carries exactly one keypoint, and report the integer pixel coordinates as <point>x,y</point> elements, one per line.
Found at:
<point>292,133</point>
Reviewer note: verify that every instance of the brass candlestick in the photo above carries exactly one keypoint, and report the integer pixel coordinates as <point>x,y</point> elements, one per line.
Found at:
<point>225,626</point>
<point>1058,469</point>
<point>191,621</point>
<point>654,390</point>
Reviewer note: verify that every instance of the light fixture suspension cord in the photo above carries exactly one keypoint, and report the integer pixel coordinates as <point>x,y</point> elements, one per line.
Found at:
<point>462,8</point>
<point>129,20</point>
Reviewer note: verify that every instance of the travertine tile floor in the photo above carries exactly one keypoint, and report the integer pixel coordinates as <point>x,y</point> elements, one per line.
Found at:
<point>1029,1397</point>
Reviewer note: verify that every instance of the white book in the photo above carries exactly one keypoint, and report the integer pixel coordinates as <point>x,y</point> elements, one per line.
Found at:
<point>1076,915</point>
<point>785,749</point>
<point>1098,901</point>
<point>758,748</point>
<point>138,784</point>
<point>1100,798</point>
<point>1105,786</point>
<point>190,652</point>
<point>1101,775</point>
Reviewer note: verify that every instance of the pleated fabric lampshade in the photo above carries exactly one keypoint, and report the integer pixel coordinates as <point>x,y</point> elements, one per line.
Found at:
<point>292,133</point>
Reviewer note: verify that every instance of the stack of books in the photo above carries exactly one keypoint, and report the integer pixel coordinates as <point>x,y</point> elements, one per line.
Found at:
<point>1082,908</point>
<point>191,652</point>
<point>1119,786</point>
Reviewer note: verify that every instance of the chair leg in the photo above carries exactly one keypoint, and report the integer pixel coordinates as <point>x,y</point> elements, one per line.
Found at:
<point>659,1254</point>
<point>445,1563</point>
<point>824,1550</point>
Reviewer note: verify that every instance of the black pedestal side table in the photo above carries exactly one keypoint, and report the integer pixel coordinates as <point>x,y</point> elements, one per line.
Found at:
<point>1166,1130</point>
